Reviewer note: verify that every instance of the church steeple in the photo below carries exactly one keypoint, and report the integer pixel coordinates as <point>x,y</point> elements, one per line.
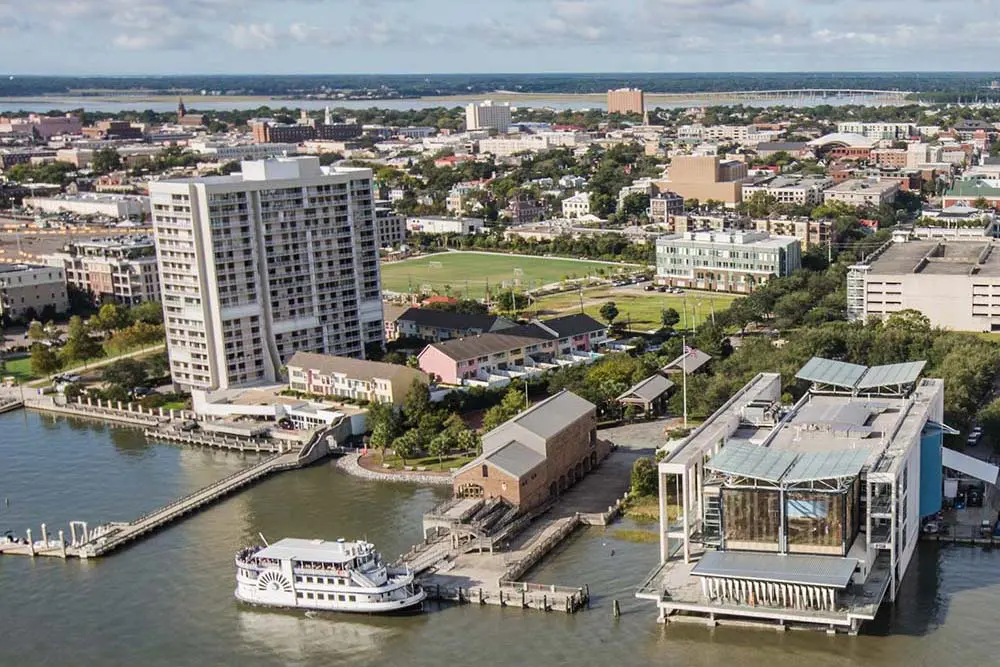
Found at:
<point>181,109</point>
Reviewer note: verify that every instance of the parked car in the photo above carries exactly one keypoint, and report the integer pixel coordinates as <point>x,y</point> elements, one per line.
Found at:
<point>985,528</point>
<point>661,290</point>
<point>140,392</point>
<point>649,288</point>
<point>975,435</point>
<point>72,377</point>
<point>974,498</point>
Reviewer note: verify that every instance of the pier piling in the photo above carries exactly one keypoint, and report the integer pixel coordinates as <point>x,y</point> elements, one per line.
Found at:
<point>616,610</point>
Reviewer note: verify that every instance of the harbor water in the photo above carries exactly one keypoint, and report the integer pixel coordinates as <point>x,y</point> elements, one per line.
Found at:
<point>168,600</point>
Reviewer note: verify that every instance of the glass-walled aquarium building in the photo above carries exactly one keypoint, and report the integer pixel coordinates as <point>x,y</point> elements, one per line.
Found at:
<point>803,514</point>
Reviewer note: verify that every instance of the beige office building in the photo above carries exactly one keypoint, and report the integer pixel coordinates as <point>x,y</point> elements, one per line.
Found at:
<point>29,291</point>
<point>260,264</point>
<point>956,284</point>
<point>858,192</point>
<point>626,101</point>
<point>705,177</point>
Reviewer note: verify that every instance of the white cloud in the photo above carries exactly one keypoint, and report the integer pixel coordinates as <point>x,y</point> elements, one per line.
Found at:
<point>253,36</point>
<point>442,35</point>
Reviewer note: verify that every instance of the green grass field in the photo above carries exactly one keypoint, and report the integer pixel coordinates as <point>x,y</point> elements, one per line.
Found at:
<point>640,308</point>
<point>19,369</point>
<point>454,272</point>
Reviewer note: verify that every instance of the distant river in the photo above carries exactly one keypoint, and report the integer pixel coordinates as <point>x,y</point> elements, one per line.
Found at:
<point>168,601</point>
<point>559,103</point>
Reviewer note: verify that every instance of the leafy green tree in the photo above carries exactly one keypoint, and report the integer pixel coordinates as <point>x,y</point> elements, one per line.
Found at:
<point>139,334</point>
<point>439,446</point>
<point>36,332</point>
<point>158,365</point>
<point>635,204</point>
<point>127,373</point>
<point>609,311</point>
<point>602,205</point>
<point>407,446</point>
<point>510,406</point>
<point>989,419</point>
<point>417,403</point>
<point>669,318</point>
<point>80,346</point>
<point>110,318</point>
<point>644,481</point>
<point>381,437</point>
<point>44,360</point>
<point>469,441</point>
<point>106,160</point>
<point>150,312</point>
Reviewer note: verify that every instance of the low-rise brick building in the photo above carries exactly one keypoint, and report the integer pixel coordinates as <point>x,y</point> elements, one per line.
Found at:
<point>537,455</point>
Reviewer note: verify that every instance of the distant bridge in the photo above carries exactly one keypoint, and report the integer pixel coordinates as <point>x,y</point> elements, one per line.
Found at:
<point>861,95</point>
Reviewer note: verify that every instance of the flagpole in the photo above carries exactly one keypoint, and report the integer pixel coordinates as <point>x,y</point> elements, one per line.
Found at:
<point>684,369</point>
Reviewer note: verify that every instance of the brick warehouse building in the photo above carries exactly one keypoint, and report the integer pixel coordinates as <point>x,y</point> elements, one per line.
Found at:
<point>537,455</point>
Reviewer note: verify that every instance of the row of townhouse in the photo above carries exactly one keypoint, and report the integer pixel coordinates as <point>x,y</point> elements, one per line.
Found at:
<point>520,351</point>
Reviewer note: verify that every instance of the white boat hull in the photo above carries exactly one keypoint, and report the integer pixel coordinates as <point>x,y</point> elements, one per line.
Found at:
<point>285,601</point>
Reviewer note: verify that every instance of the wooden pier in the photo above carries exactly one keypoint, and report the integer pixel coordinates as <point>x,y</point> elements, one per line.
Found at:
<point>219,442</point>
<point>519,595</point>
<point>9,405</point>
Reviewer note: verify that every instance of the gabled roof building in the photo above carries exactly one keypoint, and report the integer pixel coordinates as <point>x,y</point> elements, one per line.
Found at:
<point>497,358</point>
<point>537,455</point>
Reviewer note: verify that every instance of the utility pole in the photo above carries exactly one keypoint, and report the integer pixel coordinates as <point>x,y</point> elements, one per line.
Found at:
<point>581,299</point>
<point>684,369</point>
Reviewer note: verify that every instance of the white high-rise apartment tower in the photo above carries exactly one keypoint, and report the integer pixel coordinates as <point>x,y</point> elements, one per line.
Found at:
<point>487,116</point>
<point>257,265</point>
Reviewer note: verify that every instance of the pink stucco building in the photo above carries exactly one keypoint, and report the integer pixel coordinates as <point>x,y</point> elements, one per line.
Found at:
<point>528,348</point>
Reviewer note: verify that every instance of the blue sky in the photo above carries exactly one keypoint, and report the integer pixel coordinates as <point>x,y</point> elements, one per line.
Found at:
<point>400,36</point>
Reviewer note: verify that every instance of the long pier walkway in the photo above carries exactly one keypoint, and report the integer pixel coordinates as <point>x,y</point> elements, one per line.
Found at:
<point>108,538</point>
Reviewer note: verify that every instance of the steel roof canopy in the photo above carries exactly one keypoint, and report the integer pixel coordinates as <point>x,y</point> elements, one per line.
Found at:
<point>855,376</point>
<point>828,371</point>
<point>891,374</point>
<point>747,460</point>
<point>812,467</point>
<point>825,571</point>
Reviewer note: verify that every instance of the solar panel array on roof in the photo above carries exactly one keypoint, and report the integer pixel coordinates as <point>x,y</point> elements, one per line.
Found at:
<point>779,466</point>
<point>891,374</point>
<point>827,371</point>
<point>815,466</point>
<point>738,458</point>
<point>855,376</point>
